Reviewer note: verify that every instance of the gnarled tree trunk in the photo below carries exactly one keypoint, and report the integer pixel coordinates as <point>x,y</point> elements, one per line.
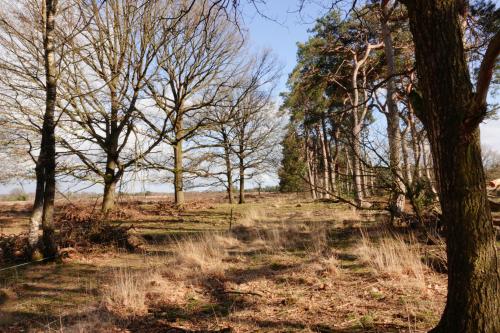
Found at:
<point>451,112</point>
<point>393,131</point>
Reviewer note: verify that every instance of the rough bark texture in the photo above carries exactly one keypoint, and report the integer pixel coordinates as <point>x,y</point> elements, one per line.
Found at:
<point>393,131</point>
<point>324,154</point>
<point>178,165</point>
<point>451,118</point>
<point>242,181</point>
<point>178,181</point>
<point>108,200</point>
<point>111,176</point>
<point>229,170</point>
<point>356,166</point>
<point>48,133</point>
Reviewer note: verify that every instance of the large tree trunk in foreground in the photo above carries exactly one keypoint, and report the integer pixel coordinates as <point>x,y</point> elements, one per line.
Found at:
<point>48,133</point>
<point>451,113</point>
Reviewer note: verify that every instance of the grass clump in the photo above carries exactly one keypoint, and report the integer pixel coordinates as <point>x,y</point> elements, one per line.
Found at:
<point>392,255</point>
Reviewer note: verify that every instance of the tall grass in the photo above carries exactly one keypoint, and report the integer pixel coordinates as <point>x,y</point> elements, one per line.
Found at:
<point>204,253</point>
<point>126,294</point>
<point>392,255</point>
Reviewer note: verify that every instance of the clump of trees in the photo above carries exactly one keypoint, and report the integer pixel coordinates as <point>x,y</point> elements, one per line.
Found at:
<point>96,90</point>
<point>426,67</point>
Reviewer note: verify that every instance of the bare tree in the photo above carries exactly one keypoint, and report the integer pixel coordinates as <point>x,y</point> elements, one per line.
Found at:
<point>195,66</point>
<point>257,134</point>
<point>219,135</point>
<point>111,62</point>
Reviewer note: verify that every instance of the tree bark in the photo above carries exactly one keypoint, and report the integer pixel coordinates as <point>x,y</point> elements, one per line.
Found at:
<point>111,177</point>
<point>108,200</point>
<point>324,154</point>
<point>356,166</point>
<point>310,172</point>
<point>408,176</point>
<point>178,165</point>
<point>393,131</point>
<point>48,133</point>
<point>178,174</point>
<point>229,172</point>
<point>451,114</point>
<point>242,182</point>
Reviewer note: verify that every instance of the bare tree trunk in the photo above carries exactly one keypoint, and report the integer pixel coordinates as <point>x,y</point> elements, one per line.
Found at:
<point>334,160</point>
<point>356,166</point>
<point>324,154</point>
<point>364,178</point>
<point>427,167</point>
<point>37,212</point>
<point>108,200</point>
<point>178,174</point>
<point>328,152</point>
<point>111,177</point>
<point>178,165</point>
<point>451,112</point>
<point>417,174</point>
<point>404,150</point>
<point>348,172</point>
<point>310,173</point>
<point>229,171</point>
<point>48,133</point>
<point>242,182</point>
<point>393,131</point>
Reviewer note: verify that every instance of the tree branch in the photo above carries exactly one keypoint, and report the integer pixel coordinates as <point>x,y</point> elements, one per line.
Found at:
<point>486,71</point>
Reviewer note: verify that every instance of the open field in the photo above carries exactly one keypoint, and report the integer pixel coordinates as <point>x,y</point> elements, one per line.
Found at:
<point>275,264</point>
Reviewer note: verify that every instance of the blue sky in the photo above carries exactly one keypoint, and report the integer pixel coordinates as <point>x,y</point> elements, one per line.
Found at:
<point>281,34</point>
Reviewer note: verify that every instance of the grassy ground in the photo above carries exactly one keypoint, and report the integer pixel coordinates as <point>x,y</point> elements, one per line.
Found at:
<point>276,264</point>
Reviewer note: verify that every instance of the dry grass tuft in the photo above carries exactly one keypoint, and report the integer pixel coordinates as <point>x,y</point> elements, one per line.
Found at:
<point>203,254</point>
<point>126,294</point>
<point>252,216</point>
<point>393,256</point>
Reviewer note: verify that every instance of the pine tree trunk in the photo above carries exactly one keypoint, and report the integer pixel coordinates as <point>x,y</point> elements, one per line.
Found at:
<point>393,131</point>
<point>449,114</point>
<point>407,174</point>
<point>427,167</point>
<point>310,175</point>
<point>356,166</point>
<point>324,155</point>
<point>417,174</point>
<point>48,133</point>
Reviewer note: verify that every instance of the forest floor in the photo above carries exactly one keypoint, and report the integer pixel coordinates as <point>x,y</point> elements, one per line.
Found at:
<point>274,264</point>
